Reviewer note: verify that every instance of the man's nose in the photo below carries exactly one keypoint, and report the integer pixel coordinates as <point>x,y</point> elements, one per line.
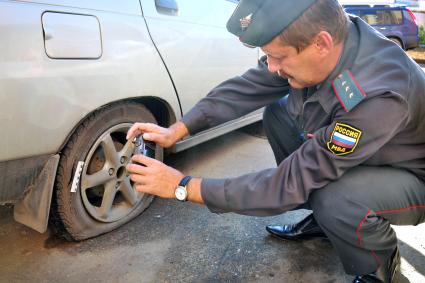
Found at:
<point>273,66</point>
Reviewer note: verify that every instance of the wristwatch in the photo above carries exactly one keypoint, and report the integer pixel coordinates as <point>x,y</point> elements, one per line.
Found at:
<point>181,192</point>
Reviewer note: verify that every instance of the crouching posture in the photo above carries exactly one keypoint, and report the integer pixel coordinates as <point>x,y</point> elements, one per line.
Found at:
<point>345,117</point>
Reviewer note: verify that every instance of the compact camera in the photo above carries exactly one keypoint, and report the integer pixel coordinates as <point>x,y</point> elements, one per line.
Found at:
<point>146,148</point>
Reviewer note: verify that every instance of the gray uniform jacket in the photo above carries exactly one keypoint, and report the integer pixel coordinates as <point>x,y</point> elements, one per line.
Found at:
<point>384,127</point>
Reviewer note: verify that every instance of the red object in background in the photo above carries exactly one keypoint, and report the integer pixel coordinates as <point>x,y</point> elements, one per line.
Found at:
<point>413,16</point>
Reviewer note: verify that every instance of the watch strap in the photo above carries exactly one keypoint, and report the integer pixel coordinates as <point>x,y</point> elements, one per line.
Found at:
<point>185,181</point>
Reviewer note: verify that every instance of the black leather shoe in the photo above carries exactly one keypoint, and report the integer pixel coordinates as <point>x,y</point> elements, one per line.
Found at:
<point>306,228</point>
<point>389,272</point>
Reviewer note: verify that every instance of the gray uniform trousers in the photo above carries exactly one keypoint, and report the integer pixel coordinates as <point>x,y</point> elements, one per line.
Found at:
<point>355,211</point>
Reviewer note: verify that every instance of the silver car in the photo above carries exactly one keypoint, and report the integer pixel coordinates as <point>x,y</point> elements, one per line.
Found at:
<point>75,75</point>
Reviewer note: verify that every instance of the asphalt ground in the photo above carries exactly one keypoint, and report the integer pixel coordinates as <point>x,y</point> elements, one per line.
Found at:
<point>184,242</point>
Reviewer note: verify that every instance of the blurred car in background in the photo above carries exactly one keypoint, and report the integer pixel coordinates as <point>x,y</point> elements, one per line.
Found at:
<point>75,75</point>
<point>396,22</point>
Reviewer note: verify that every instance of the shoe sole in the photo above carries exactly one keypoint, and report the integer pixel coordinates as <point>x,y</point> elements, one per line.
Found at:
<point>305,237</point>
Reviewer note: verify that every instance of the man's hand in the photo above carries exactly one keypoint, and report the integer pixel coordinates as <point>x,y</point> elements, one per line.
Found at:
<point>154,177</point>
<point>164,137</point>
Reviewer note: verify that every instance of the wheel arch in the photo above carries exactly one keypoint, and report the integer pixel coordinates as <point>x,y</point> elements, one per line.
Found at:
<point>390,37</point>
<point>160,109</point>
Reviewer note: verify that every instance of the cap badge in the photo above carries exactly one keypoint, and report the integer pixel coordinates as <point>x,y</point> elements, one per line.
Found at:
<point>246,21</point>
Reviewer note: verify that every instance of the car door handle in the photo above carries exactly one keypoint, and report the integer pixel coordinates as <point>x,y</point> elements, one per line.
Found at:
<point>168,7</point>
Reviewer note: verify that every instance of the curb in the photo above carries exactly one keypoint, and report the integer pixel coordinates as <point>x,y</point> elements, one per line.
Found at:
<point>419,61</point>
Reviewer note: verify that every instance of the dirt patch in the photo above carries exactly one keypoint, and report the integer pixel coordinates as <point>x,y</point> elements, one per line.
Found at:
<point>417,54</point>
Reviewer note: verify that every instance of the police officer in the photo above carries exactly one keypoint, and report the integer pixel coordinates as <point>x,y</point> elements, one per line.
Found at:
<point>349,138</point>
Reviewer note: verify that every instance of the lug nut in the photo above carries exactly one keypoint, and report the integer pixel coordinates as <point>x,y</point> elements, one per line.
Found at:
<point>111,171</point>
<point>122,160</point>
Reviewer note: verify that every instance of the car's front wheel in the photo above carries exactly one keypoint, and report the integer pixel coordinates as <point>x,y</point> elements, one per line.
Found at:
<point>104,198</point>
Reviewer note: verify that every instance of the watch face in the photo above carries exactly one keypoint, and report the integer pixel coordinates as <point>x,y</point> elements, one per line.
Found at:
<point>181,193</point>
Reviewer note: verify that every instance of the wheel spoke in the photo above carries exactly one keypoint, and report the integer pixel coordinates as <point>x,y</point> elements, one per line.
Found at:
<point>108,199</point>
<point>130,195</point>
<point>110,151</point>
<point>98,178</point>
<point>128,149</point>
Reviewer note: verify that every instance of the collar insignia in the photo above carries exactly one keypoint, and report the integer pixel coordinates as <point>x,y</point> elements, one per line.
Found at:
<point>246,21</point>
<point>348,91</point>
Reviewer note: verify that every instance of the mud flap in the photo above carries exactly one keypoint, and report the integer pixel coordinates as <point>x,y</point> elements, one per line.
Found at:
<point>33,209</point>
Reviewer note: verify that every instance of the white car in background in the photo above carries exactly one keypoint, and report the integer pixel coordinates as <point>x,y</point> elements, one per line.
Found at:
<point>75,75</point>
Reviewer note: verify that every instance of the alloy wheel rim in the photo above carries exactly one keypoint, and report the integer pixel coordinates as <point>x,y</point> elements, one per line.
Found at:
<point>106,190</point>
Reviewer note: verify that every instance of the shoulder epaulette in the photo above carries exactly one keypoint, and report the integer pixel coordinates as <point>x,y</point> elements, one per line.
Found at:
<point>347,90</point>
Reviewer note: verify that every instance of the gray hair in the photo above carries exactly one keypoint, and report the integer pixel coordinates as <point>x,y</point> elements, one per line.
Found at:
<point>324,15</point>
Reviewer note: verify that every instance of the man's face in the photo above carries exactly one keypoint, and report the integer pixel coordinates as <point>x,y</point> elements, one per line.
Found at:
<point>301,68</point>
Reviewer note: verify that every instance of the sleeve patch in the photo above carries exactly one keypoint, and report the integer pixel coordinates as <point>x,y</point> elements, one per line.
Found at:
<point>347,90</point>
<point>344,139</point>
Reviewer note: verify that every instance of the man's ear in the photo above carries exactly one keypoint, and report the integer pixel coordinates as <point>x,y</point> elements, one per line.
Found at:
<point>323,42</point>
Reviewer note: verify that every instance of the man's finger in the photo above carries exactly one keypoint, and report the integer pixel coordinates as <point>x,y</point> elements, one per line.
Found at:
<point>131,135</point>
<point>138,179</point>
<point>149,127</point>
<point>139,128</point>
<point>141,188</point>
<point>142,159</point>
<point>153,137</point>
<point>133,131</point>
<point>133,168</point>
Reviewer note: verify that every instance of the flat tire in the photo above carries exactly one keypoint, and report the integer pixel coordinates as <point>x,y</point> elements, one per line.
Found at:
<point>105,198</point>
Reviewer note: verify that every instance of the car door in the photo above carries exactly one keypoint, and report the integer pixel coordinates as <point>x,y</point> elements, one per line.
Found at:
<point>197,49</point>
